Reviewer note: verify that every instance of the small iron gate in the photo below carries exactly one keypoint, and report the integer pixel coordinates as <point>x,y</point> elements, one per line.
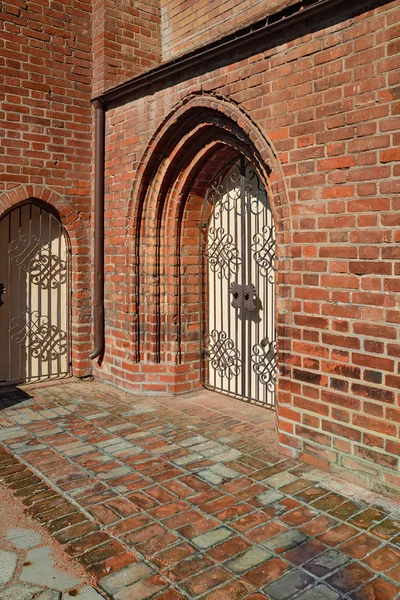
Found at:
<point>237,279</point>
<point>34,307</point>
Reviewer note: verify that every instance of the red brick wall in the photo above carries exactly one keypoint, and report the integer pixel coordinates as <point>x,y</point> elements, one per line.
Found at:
<point>328,102</point>
<point>45,127</point>
<point>126,40</point>
<point>187,24</point>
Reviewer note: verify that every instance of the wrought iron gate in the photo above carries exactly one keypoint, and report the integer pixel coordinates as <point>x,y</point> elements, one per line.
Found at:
<point>237,250</point>
<point>34,307</point>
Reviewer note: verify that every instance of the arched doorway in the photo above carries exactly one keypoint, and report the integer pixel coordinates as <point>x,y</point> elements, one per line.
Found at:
<point>203,137</point>
<point>237,281</point>
<point>34,281</point>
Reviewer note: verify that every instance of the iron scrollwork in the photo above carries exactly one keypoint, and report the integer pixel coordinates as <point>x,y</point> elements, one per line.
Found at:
<point>264,362</point>
<point>237,243</point>
<point>223,355</point>
<point>255,193</point>
<point>263,247</point>
<point>45,341</point>
<point>34,256</point>
<point>221,253</point>
<point>2,292</point>
<point>226,194</point>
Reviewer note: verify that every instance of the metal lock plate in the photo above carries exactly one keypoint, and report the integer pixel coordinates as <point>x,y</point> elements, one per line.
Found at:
<point>243,296</point>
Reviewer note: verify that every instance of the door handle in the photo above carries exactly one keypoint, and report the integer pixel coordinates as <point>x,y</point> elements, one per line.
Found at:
<point>2,292</point>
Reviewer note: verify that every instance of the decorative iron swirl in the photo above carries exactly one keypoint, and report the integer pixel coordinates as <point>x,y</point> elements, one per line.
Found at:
<point>223,355</point>
<point>221,253</point>
<point>33,255</point>
<point>225,194</point>
<point>23,250</point>
<point>44,341</point>
<point>255,193</point>
<point>264,362</point>
<point>263,247</point>
<point>48,270</point>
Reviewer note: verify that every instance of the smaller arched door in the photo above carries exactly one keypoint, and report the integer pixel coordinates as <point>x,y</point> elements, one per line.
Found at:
<point>34,306</point>
<point>238,344</point>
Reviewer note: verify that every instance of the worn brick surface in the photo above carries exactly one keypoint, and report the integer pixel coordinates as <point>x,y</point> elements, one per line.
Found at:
<point>318,107</point>
<point>212,18</point>
<point>46,129</point>
<point>169,547</point>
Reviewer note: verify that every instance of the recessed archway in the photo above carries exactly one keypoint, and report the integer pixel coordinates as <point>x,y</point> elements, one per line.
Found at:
<point>35,309</point>
<point>79,296</point>
<point>201,136</point>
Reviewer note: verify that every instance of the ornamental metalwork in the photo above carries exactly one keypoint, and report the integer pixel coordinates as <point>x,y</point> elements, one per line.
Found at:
<point>41,339</point>
<point>34,295</point>
<point>222,354</point>
<point>225,194</point>
<point>237,278</point>
<point>264,362</point>
<point>24,250</point>
<point>263,247</point>
<point>254,190</point>
<point>221,253</point>
<point>34,256</point>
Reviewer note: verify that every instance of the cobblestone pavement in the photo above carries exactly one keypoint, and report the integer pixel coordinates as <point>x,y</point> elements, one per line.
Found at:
<point>173,498</point>
<point>32,566</point>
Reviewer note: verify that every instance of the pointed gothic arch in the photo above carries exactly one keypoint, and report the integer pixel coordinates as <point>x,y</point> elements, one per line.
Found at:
<point>177,166</point>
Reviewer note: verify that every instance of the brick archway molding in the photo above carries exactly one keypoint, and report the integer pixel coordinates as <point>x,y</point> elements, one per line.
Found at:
<point>80,262</point>
<point>199,127</point>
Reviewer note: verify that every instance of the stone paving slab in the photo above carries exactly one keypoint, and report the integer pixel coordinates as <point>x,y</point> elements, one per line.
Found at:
<point>8,565</point>
<point>39,569</point>
<point>32,566</point>
<point>176,498</point>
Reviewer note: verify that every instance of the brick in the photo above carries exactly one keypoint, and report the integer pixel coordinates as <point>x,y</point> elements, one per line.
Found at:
<point>368,517</point>
<point>389,155</point>
<point>249,559</point>
<point>377,587</point>
<point>349,577</point>
<point>227,549</point>
<point>211,538</point>
<point>232,589</point>
<point>267,572</point>
<point>265,532</point>
<point>335,536</point>
<point>115,582</point>
<point>80,546</point>
<point>285,541</point>
<point>110,549</point>
<point>288,585</point>
<point>305,552</point>
<point>206,581</point>
<point>173,555</point>
<point>141,590</point>
<point>359,546</point>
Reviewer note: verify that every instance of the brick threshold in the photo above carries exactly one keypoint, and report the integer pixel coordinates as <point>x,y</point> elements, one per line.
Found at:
<point>97,551</point>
